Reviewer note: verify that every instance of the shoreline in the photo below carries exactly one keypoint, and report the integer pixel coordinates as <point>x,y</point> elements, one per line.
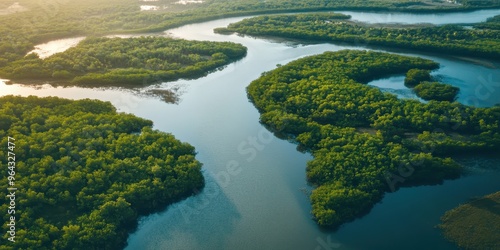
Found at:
<point>480,61</point>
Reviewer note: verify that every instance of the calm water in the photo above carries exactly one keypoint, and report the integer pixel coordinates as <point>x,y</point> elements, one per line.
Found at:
<point>255,197</point>
<point>47,49</point>
<point>479,85</point>
<point>436,18</point>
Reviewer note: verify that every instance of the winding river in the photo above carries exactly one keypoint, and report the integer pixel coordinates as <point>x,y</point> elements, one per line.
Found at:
<point>256,191</point>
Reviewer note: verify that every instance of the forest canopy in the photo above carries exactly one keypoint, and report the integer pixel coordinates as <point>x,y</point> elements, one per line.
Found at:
<point>366,142</point>
<point>492,23</point>
<point>85,173</point>
<point>436,91</point>
<point>327,27</point>
<point>482,215</point>
<point>416,76</point>
<point>132,61</point>
<point>43,21</point>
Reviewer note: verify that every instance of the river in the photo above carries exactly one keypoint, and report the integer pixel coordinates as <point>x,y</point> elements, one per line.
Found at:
<point>256,191</point>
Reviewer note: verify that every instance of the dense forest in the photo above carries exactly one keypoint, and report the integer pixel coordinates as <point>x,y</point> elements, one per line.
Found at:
<point>366,142</point>
<point>492,23</point>
<point>133,61</point>
<point>449,39</point>
<point>482,215</point>
<point>420,81</point>
<point>416,76</point>
<point>436,91</point>
<point>85,173</point>
<point>43,21</point>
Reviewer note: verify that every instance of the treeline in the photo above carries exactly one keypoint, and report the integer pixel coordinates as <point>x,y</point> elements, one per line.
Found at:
<point>55,19</point>
<point>133,61</point>
<point>360,137</point>
<point>85,173</point>
<point>479,3</point>
<point>449,39</point>
<point>492,23</point>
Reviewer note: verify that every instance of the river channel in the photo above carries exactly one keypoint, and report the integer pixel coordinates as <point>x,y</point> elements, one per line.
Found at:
<point>256,190</point>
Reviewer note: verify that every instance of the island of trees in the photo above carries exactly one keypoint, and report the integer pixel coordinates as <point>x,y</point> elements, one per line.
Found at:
<point>325,27</point>
<point>132,62</point>
<point>416,76</point>
<point>419,80</point>
<point>436,91</point>
<point>366,142</point>
<point>85,173</point>
<point>474,225</point>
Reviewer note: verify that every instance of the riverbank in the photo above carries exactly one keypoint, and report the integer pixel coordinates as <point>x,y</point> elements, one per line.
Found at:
<point>321,101</point>
<point>330,27</point>
<point>260,198</point>
<point>141,61</point>
<point>75,197</point>
<point>66,19</point>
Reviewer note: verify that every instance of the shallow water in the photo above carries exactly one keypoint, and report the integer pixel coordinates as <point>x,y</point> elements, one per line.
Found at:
<point>47,49</point>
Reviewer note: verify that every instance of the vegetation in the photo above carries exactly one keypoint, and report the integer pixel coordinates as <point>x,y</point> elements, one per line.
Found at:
<point>85,173</point>
<point>474,225</point>
<point>416,76</point>
<point>492,23</point>
<point>366,142</point>
<point>92,171</point>
<point>436,91</point>
<point>48,20</point>
<point>449,39</point>
<point>418,79</point>
<point>134,61</point>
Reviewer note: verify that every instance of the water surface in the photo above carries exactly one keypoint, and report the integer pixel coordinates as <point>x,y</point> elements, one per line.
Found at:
<point>47,49</point>
<point>434,18</point>
<point>256,193</point>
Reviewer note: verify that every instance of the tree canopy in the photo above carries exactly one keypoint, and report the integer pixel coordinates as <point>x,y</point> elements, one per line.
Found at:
<point>327,27</point>
<point>436,91</point>
<point>492,23</point>
<point>366,142</point>
<point>481,215</point>
<point>132,61</point>
<point>85,173</point>
<point>416,76</point>
<point>44,21</point>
